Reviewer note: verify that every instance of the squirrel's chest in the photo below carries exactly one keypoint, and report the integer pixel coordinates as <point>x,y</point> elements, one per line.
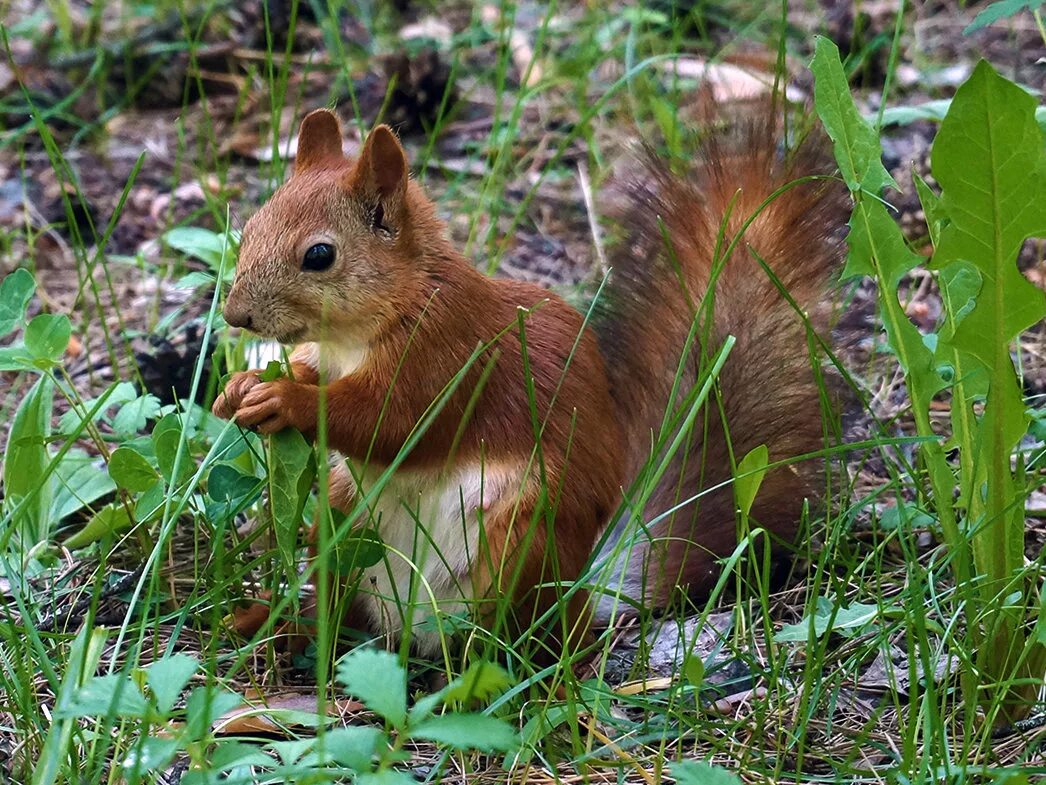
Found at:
<point>435,528</point>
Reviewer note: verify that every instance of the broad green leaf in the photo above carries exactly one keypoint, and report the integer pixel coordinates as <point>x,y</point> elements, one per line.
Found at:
<point>131,471</point>
<point>226,483</point>
<point>110,520</point>
<point>904,517</point>
<point>357,551</point>
<point>750,472</point>
<point>150,753</point>
<point>378,680</point>
<point>856,143</point>
<point>693,772</point>
<point>16,289</point>
<point>694,670</point>
<point>849,617</point>
<point>273,371</point>
<point>203,708</point>
<point>481,681</point>
<point>47,337</point>
<point>291,472</point>
<point>202,244</point>
<point>25,462</point>
<point>230,754</point>
<point>16,358</point>
<point>113,695</point>
<point>79,480</point>
<point>467,732</point>
<point>989,159</point>
<point>166,437</point>
<point>354,746</point>
<point>385,777</point>
<point>168,677</point>
<point>207,246</point>
<point>195,280</point>
<point>150,504</point>
<point>293,749</point>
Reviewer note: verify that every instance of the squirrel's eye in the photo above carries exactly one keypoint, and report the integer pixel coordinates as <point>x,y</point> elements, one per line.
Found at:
<point>318,257</point>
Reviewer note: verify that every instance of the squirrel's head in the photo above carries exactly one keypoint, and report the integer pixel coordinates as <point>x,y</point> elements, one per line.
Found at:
<point>334,250</point>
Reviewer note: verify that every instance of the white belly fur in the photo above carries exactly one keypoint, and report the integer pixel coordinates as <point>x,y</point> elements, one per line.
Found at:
<point>431,529</point>
<point>430,523</point>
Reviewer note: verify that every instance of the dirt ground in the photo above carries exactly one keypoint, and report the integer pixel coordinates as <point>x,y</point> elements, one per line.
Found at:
<point>204,123</point>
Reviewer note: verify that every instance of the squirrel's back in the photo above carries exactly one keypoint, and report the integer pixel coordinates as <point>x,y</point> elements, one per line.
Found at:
<point>679,245</point>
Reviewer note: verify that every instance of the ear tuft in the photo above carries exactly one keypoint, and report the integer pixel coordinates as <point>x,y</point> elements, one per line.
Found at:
<point>383,164</point>
<point>319,140</point>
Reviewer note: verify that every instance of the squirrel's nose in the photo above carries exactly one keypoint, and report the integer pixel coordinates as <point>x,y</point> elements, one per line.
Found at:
<point>236,315</point>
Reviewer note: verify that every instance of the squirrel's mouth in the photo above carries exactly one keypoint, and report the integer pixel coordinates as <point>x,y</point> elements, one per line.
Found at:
<point>294,336</point>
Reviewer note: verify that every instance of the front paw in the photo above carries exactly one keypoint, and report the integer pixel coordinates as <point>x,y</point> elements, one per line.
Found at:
<point>226,404</point>
<point>272,406</point>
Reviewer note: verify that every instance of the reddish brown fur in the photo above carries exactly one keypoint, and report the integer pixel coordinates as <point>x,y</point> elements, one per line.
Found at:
<point>409,304</point>
<point>767,389</point>
<point>421,310</point>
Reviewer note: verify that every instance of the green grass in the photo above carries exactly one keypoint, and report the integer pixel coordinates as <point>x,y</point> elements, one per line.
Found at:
<point>122,545</point>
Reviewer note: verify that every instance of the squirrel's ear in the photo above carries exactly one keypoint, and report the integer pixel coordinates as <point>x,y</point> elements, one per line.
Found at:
<point>319,140</point>
<point>382,169</point>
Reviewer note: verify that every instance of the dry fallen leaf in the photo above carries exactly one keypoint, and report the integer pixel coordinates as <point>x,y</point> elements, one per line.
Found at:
<point>278,714</point>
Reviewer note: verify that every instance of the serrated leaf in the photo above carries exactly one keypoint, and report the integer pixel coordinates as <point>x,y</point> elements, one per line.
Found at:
<point>168,677</point>
<point>134,415</point>
<point>16,290</point>
<point>112,695</point>
<point>989,159</point>
<point>878,249</point>
<point>693,772</point>
<point>108,521</point>
<point>751,470</point>
<point>47,336</point>
<point>856,143</point>
<point>377,679</point>
<point>1001,9</point>
<point>131,471</point>
<point>467,732</point>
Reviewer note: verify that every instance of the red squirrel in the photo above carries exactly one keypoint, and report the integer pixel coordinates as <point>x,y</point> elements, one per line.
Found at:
<point>349,261</point>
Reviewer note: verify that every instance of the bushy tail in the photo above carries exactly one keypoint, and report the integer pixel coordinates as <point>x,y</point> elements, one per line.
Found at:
<point>678,230</point>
